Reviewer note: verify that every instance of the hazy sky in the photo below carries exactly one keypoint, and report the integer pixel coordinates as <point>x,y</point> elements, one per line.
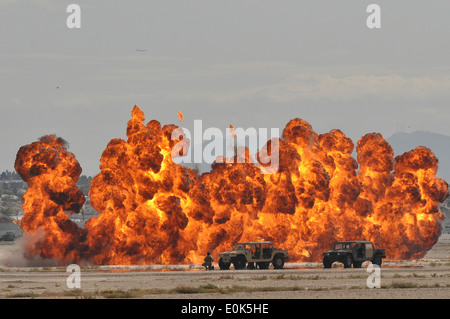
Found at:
<point>249,63</point>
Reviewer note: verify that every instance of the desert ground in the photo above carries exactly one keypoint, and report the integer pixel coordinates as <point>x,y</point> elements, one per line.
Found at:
<point>428,277</point>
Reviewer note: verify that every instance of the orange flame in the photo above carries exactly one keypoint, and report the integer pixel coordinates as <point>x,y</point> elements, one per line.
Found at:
<point>180,116</point>
<point>156,211</point>
<point>51,173</point>
<point>232,131</point>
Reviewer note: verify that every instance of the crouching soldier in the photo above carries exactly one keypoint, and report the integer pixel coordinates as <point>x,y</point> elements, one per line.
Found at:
<point>208,262</point>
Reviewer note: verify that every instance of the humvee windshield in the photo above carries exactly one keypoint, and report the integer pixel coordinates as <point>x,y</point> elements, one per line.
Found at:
<point>346,245</point>
<point>242,246</point>
<point>342,246</point>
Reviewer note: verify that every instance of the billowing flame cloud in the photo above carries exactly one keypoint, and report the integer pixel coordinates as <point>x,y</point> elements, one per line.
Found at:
<point>51,173</point>
<point>156,211</point>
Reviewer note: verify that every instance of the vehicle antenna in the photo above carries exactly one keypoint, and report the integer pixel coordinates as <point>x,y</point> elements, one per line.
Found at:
<point>379,239</point>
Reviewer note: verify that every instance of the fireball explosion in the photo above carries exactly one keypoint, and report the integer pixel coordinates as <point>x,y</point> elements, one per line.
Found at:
<point>153,210</point>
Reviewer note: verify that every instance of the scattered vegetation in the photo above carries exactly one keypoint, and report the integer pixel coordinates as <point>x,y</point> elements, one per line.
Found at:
<point>408,284</point>
<point>201,289</point>
<point>23,295</point>
<point>139,293</point>
<point>402,284</point>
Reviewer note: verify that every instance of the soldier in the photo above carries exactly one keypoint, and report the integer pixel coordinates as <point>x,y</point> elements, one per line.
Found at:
<point>208,262</point>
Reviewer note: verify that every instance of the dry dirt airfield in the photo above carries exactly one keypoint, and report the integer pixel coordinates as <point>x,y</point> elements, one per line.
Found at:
<point>425,278</point>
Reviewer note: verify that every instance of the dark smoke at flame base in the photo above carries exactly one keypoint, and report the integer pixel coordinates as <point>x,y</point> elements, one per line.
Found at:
<point>153,210</point>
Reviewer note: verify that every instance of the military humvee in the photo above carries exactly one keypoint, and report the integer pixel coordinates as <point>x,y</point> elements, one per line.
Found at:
<point>353,253</point>
<point>261,253</point>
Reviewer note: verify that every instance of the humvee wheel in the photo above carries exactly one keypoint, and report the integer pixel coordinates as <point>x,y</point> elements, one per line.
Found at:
<point>377,260</point>
<point>348,261</point>
<point>223,265</point>
<point>278,262</point>
<point>326,262</point>
<point>239,262</point>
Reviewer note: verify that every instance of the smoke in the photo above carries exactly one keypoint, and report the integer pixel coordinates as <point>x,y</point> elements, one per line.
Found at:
<point>18,254</point>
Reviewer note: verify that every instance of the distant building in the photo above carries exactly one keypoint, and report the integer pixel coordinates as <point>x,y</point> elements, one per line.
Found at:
<point>13,186</point>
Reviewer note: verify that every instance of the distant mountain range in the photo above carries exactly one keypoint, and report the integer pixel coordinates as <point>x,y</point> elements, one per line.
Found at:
<point>439,144</point>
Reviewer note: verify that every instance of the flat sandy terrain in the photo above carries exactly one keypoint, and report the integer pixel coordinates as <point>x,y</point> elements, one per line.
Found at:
<point>425,278</point>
